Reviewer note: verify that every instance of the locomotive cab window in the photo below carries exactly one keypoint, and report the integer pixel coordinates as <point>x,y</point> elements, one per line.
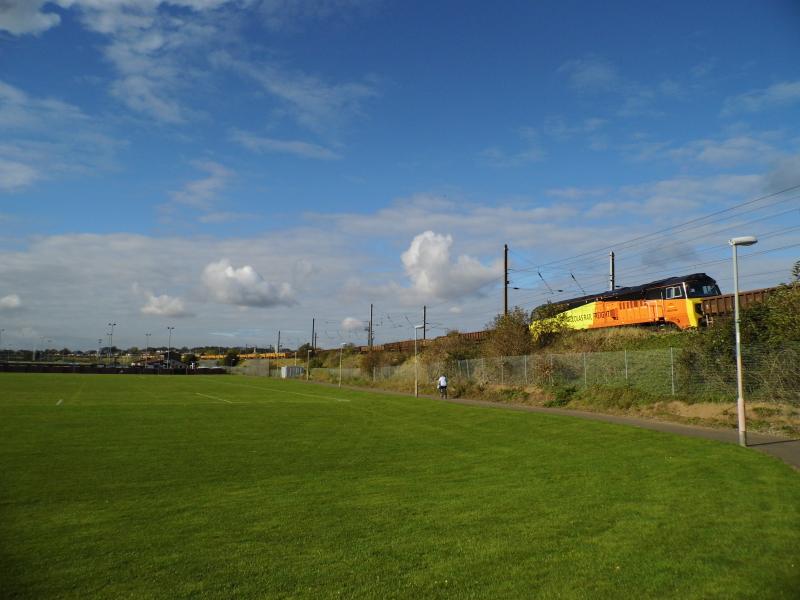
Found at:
<point>697,290</point>
<point>674,292</point>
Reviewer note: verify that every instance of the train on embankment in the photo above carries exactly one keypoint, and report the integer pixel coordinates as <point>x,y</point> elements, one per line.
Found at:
<point>676,300</point>
<point>686,302</point>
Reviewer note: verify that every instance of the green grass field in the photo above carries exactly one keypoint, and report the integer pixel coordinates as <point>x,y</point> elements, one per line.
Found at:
<point>169,487</point>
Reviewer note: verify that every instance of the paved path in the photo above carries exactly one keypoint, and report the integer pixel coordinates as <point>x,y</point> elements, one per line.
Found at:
<point>786,449</point>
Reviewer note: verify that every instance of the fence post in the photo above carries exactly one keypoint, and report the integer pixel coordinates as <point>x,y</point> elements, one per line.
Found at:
<point>626,366</point>
<point>525,367</point>
<point>585,377</point>
<point>672,368</point>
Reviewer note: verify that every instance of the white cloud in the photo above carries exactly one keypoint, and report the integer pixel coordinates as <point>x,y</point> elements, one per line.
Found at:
<point>202,193</point>
<point>434,275</point>
<point>164,306</point>
<point>575,193</point>
<point>352,324</point>
<point>732,151</point>
<point>283,14</point>
<point>295,147</point>
<point>244,286</point>
<point>558,128</point>
<point>784,174</point>
<point>10,302</point>
<point>775,96</point>
<point>45,138</point>
<point>15,175</point>
<point>314,104</point>
<point>533,152</point>
<point>591,74</point>
<point>20,17</point>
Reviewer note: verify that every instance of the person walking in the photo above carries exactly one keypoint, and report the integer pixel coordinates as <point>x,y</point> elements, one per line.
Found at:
<point>443,386</point>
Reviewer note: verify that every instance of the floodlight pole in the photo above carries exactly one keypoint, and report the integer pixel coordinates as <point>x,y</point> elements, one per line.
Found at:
<point>99,349</point>
<point>169,347</point>
<point>110,340</point>
<point>308,363</point>
<point>735,243</point>
<point>146,348</point>
<point>416,362</point>
<point>341,347</point>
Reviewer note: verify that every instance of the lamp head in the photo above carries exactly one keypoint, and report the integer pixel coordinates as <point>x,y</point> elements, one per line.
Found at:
<point>747,240</point>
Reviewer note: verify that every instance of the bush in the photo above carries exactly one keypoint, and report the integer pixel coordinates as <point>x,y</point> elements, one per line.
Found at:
<point>562,395</point>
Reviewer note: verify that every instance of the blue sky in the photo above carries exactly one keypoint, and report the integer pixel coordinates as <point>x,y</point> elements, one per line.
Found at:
<point>237,167</point>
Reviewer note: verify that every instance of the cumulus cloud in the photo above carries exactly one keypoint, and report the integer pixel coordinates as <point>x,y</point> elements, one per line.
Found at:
<point>164,306</point>
<point>352,324</point>
<point>10,302</point>
<point>244,286</point>
<point>433,274</point>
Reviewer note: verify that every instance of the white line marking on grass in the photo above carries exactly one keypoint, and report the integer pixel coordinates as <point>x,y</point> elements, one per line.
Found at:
<point>215,398</point>
<point>59,402</point>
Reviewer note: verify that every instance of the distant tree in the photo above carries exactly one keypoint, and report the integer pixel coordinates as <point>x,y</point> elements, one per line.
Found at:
<point>231,358</point>
<point>796,272</point>
<point>509,334</point>
<point>189,358</point>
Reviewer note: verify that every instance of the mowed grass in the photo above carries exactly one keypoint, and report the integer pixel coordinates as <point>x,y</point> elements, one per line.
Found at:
<point>169,487</point>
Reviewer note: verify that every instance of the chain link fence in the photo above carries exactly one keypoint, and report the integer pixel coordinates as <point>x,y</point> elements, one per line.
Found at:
<point>770,374</point>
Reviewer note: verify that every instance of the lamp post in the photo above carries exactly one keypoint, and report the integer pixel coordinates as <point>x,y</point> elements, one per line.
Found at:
<point>169,347</point>
<point>748,240</point>
<point>308,363</point>
<point>146,348</point>
<point>110,341</point>
<point>416,362</point>
<point>341,347</point>
<point>99,349</point>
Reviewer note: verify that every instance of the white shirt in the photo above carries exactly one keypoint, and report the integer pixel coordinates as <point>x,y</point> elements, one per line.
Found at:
<point>442,381</point>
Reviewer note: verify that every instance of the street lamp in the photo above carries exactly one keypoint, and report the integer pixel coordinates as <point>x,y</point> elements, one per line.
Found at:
<point>416,369</point>
<point>341,347</point>
<point>747,240</point>
<point>169,347</point>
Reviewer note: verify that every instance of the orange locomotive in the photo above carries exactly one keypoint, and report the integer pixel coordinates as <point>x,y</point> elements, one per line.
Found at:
<point>675,300</point>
